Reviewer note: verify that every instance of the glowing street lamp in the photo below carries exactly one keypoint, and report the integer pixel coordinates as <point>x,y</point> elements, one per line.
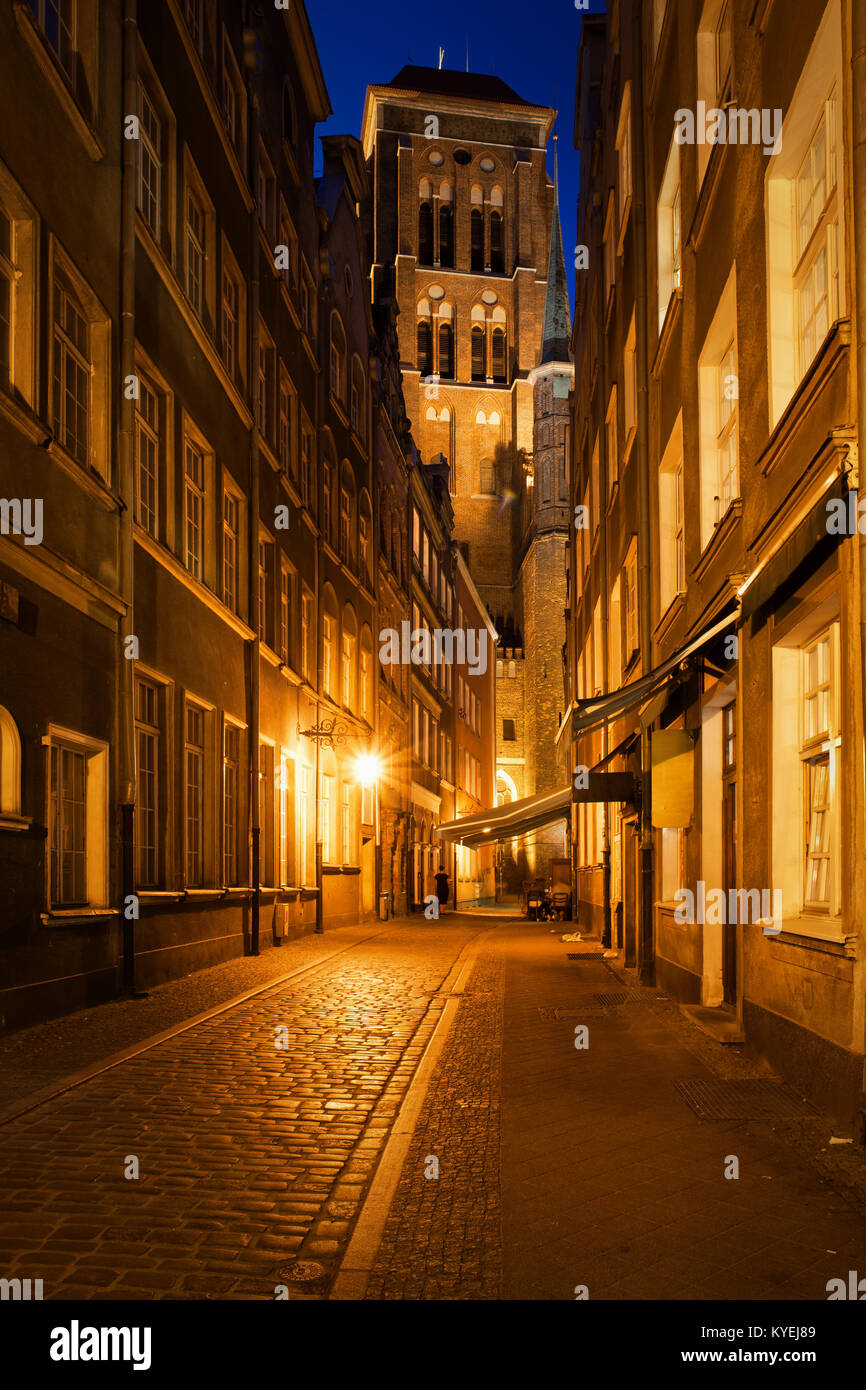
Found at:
<point>368,769</point>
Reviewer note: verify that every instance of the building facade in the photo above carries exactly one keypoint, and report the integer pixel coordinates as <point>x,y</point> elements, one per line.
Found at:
<point>715,639</point>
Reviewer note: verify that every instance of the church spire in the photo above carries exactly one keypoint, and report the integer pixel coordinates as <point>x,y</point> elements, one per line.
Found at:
<point>556,340</point>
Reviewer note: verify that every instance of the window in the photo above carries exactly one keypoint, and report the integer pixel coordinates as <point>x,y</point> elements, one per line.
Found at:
<point>327,489</point>
<point>287,433</point>
<point>308,303</point>
<point>595,489</point>
<point>614,636</point>
<point>364,528</point>
<point>718,406</point>
<point>487,481</point>
<point>611,440</point>
<point>508,734</point>
<point>630,387</point>
<point>265,385</point>
<point>10,766</point>
<point>672,553</point>
<point>476,239</point>
<point>195,21</point>
<point>446,227</point>
<point>151,159</point>
<point>338,360</point>
<point>289,122</point>
<point>287,800</point>
<point>193,508</point>
<point>233,102</point>
<point>425,347</point>
<point>266,193</point>
<point>358,407</point>
<point>80,368</point>
<point>326,811</point>
<point>498,354</point>
<point>71,371</point>
<point>17,290</point>
<point>609,251</point>
<point>57,20</point>
<point>366,675</point>
<point>233,317</point>
<point>669,233</point>
<point>306,461</point>
<point>287,606</point>
<point>446,349</point>
<point>68,826</point>
<point>308,632</point>
<point>329,646</point>
<point>497,233</point>
<point>815,754</point>
<point>147,454</point>
<point>623,151</point>
<point>425,230</point>
<point>714,64</point>
<point>346,835</point>
<point>658,19</point>
<point>231,550</point>
<point>304,823</point>
<point>147,794</point>
<point>265,591</point>
<point>817,229</point>
<point>195,250</point>
<point>231,802</point>
<point>194,795</point>
<point>479,368</point>
<point>632,637</point>
<point>267,813</point>
<point>289,268</point>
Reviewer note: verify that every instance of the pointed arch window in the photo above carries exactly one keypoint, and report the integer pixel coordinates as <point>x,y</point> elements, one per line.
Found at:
<point>425,232</point>
<point>446,350</point>
<point>497,233</point>
<point>476,230</point>
<point>425,347</point>
<point>499,357</point>
<point>479,368</point>
<point>446,227</point>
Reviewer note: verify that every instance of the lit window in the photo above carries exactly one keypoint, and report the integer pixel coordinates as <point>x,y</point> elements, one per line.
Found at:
<point>194,796</point>
<point>195,250</point>
<point>231,804</point>
<point>71,372</point>
<point>231,541</point>
<point>193,509</point>
<point>147,457</point>
<point>147,798</point>
<point>149,162</point>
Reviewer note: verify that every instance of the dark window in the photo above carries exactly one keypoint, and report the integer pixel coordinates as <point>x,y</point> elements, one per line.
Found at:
<point>497,244</point>
<point>446,235</point>
<point>478,369</point>
<point>425,234</point>
<point>499,355</point>
<point>425,348</point>
<point>477,231</point>
<point>446,351</point>
<point>508,733</point>
<point>288,117</point>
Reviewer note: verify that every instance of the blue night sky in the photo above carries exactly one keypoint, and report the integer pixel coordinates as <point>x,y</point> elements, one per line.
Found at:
<point>532,48</point>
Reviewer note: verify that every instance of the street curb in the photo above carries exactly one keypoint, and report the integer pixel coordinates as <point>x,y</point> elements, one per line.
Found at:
<point>357,1264</point>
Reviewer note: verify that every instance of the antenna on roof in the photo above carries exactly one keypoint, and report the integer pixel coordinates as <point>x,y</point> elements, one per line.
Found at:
<point>441,56</point>
<point>467,50</point>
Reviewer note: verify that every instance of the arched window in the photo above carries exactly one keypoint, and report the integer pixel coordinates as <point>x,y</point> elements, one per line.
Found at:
<point>328,485</point>
<point>425,347</point>
<point>479,369</point>
<point>498,353</point>
<point>476,229</point>
<point>348,657</point>
<point>330,626</point>
<point>365,532</point>
<point>357,409</point>
<point>366,675</point>
<point>10,765</point>
<point>396,547</point>
<point>446,227</point>
<point>338,359</point>
<point>347,515</point>
<point>497,233</point>
<point>425,233</point>
<point>446,350</point>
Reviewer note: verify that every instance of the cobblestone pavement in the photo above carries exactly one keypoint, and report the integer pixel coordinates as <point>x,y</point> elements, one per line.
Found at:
<point>443,1237</point>
<point>249,1154</point>
<point>608,1181</point>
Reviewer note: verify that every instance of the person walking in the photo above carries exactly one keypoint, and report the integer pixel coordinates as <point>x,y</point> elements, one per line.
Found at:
<point>442,887</point>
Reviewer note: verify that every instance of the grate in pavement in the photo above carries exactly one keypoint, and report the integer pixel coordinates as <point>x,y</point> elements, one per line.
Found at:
<point>616,997</point>
<point>748,1099</point>
<point>563,1015</point>
<point>584,955</point>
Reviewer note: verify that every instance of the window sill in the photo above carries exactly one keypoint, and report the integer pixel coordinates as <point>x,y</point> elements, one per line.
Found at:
<point>78,916</point>
<point>8,821</point>
<point>815,934</point>
<point>39,47</point>
<point>201,895</point>
<point>721,533</point>
<point>666,330</point>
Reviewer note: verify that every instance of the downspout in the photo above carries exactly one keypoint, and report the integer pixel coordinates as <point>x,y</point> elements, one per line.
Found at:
<point>646,947</point>
<point>858,243</point>
<point>126,489</point>
<point>253,530</point>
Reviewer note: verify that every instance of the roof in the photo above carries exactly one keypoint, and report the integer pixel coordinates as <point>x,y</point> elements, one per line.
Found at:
<point>450,82</point>
<point>556,339</point>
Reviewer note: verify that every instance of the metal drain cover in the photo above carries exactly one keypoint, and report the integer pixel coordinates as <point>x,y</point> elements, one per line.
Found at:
<point>302,1272</point>
<point>749,1099</point>
<point>584,955</point>
<point>564,1015</point>
<point>617,997</point>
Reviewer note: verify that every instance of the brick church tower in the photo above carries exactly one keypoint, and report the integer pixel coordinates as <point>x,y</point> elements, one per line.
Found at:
<point>462,215</point>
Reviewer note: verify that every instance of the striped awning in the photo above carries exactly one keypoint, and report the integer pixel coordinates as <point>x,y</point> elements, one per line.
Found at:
<point>505,822</point>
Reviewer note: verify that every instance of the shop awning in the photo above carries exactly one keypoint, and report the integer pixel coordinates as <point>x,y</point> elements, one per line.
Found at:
<point>592,714</point>
<point>505,822</point>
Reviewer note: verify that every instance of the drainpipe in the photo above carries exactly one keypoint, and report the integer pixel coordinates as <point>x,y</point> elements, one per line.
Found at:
<point>646,945</point>
<point>253,524</point>
<point>126,489</point>
<point>858,241</point>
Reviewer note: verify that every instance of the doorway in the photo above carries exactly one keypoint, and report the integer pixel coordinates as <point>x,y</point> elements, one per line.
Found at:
<point>729,848</point>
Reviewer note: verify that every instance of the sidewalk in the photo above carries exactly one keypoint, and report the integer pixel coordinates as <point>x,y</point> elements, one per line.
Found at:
<point>607,1179</point>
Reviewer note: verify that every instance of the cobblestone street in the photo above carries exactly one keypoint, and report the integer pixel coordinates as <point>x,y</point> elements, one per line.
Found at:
<point>532,1168</point>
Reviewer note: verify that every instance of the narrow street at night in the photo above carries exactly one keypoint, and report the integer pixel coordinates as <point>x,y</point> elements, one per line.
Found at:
<point>265,1138</point>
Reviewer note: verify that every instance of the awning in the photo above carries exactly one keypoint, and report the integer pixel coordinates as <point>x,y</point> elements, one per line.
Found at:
<point>810,536</point>
<point>592,714</point>
<point>505,822</point>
